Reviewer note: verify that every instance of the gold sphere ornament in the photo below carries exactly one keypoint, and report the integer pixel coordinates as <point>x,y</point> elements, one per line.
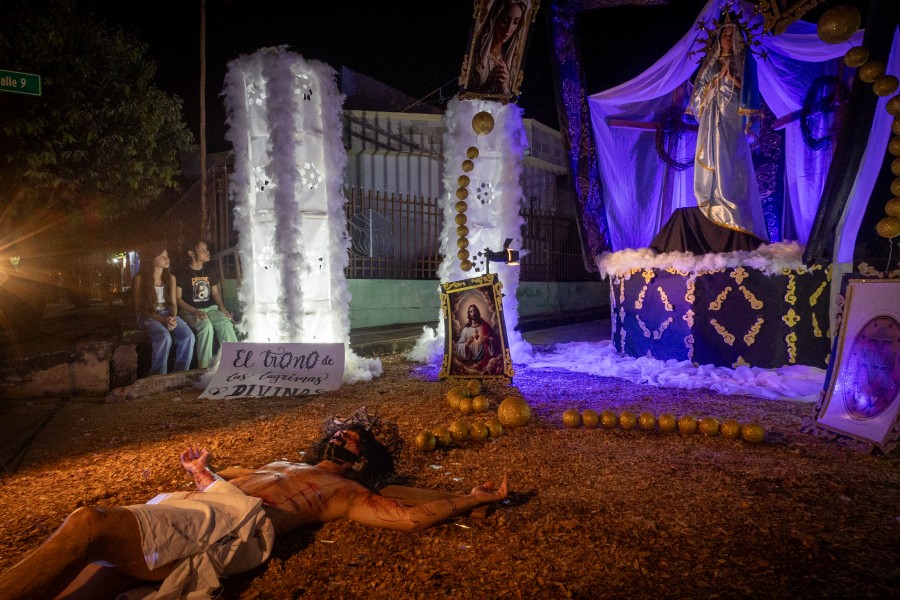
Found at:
<point>463,181</point>
<point>893,106</point>
<point>647,421</point>
<point>454,396</point>
<point>459,430</point>
<point>708,426</point>
<point>871,71</point>
<point>590,418</point>
<point>425,441</point>
<point>513,412</point>
<point>472,152</point>
<point>838,24</point>
<point>730,429</point>
<point>627,420</point>
<point>885,85</point>
<point>461,206</point>
<point>894,145</point>
<point>687,424</point>
<point>462,243</point>
<point>466,265</point>
<point>888,227</point>
<point>753,433</point>
<point>443,437</point>
<point>462,254</point>
<point>571,418</point>
<point>467,165</point>
<point>895,187</point>
<point>895,128</point>
<point>474,386</point>
<point>892,208</point>
<point>667,422</point>
<point>461,219</point>
<point>461,194</point>
<point>608,419</point>
<point>481,403</point>
<point>465,406</point>
<point>483,123</point>
<point>495,427</point>
<point>462,231</point>
<point>478,431</point>
<point>856,56</point>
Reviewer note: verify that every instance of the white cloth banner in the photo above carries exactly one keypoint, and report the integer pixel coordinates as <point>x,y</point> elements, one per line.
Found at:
<point>268,370</point>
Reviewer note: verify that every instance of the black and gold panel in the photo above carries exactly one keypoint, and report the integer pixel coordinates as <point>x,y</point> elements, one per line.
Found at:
<point>726,317</point>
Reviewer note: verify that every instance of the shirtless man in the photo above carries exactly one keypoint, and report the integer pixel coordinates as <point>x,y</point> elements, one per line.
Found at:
<point>98,552</point>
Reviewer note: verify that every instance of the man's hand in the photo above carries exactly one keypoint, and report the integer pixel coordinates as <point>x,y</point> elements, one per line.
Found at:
<point>485,493</point>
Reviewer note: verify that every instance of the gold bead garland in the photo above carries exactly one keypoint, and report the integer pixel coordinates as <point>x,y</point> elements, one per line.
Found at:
<point>482,124</point>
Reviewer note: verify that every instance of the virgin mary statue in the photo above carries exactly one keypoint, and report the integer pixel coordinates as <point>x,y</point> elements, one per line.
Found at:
<point>724,101</point>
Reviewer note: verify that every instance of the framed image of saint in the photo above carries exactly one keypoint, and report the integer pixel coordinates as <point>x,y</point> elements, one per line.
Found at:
<point>862,389</point>
<point>492,68</point>
<point>474,330</point>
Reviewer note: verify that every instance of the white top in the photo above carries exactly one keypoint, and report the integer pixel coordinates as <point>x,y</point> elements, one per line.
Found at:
<point>160,294</point>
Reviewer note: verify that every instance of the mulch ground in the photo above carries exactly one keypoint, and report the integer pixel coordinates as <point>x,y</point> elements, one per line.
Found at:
<point>593,513</point>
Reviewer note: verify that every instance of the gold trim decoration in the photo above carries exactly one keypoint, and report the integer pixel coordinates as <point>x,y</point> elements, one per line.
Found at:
<point>791,318</point>
<point>689,344</point>
<point>815,295</point>
<point>755,303</point>
<point>727,337</point>
<point>675,271</point>
<point>750,336</point>
<point>622,340</point>
<point>688,318</point>
<point>648,275</point>
<point>790,297</point>
<point>689,295</point>
<point>643,327</point>
<point>815,323</point>
<point>739,275</point>
<point>665,299</point>
<point>639,303</point>
<point>622,291</point>
<point>828,273</point>
<point>785,270</point>
<point>740,362</point>
<point>791,340</point>
<point>662,328</point>
<point>717,303</point>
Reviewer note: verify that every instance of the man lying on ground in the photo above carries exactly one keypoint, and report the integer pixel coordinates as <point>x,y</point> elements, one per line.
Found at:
<point>187,540</point>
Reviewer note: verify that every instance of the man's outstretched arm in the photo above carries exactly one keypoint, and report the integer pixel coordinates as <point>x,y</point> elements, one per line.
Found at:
<point>373,510</point>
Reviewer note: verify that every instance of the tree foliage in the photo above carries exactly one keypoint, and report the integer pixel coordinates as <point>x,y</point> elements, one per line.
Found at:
<point>101,140</point>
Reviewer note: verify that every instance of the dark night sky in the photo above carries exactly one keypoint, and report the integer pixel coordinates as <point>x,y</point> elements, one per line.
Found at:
<point>393,41</point>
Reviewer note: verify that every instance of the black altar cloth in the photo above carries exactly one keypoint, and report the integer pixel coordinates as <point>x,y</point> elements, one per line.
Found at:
<point>688,230</point>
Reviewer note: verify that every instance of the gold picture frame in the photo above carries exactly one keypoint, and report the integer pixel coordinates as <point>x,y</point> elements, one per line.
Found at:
<point>492,67</point>
<point>475,330</point>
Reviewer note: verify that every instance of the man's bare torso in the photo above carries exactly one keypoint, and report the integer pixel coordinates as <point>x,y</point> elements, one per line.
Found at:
<point>296,494</point>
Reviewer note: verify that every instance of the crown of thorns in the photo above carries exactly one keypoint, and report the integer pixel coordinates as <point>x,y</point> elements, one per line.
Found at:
<point>387,434</point>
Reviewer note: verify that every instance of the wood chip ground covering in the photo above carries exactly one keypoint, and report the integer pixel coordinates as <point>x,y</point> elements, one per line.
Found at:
<point>592,514</point>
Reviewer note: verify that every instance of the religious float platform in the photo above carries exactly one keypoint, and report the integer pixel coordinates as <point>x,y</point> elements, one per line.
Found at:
<point>762,308</point>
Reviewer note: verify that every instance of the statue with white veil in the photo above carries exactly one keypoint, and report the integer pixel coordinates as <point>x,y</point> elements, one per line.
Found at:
<point>724,101</point>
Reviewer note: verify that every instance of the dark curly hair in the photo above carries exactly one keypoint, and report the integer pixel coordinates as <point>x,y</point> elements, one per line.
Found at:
<point>375,469</point>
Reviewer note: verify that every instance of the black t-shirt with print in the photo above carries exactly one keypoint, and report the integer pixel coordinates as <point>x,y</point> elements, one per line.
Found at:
<point>196,286</point>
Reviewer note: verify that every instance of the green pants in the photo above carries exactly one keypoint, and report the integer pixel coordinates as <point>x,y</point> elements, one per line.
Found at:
<point>216,324</point>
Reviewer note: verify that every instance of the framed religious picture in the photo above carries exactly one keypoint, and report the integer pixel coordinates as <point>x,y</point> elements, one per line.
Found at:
<point>862,391</point>
<point>492,68</point>
<point>474,330</point>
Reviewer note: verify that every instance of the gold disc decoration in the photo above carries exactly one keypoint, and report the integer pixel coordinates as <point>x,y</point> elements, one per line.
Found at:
<point>892,208</point>
<point>888,227</point>
<point>467,165</point>
<point>838,24</point>
<point>895,187</point>
<point>462,231</point>
<point>483,123</point>
<point>893,106</point>
<point>871,71</point>
<point>472,152</point>
<point>894,145</point>
<point>885,85</point>
<point>462,242</point>
<point>461,219</point>
<point>856,56</point>
<point>462,254</point>
<point>463,181</point>
<point>466,265</point>
<point>461,206</point>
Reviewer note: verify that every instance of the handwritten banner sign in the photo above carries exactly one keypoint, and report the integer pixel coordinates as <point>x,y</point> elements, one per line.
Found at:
<point>268,370</point>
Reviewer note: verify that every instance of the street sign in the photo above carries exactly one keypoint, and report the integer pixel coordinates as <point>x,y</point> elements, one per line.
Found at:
<point>20,83</point>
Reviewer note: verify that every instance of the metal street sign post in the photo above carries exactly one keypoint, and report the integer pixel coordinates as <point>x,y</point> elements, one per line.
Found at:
<point>20,83</point>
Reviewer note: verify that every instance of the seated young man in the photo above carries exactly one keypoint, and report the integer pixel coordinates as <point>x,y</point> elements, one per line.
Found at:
<point>200,303</point>
<point>184,541</point>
